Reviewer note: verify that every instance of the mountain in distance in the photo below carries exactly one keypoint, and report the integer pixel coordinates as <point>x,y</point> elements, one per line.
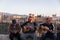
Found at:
<point>9,14</point>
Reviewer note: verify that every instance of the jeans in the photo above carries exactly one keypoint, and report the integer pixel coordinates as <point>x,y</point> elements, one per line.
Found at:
<point>17,35</point>
<point>25,35</point>
<point>58,36</point>
<point>53,36</point>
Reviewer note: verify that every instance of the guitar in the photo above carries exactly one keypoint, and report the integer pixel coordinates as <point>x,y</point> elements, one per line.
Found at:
<point>27,28</point>
<point>43,29</point>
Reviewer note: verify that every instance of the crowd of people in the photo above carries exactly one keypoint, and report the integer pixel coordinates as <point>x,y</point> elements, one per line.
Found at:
<point>29,28</point>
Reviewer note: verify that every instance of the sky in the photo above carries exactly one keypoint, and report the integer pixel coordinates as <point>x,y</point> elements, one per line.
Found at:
<point>37,7</point>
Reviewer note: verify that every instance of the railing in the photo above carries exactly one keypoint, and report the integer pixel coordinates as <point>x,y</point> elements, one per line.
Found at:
<point>4,28</point>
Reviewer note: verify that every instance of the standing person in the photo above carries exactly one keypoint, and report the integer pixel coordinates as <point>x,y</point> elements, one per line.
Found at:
<point>49,29</point>
<point>29,29</point>
<point>14,30</point>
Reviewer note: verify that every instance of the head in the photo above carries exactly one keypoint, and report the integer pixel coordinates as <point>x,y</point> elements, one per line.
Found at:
<point>48,20</point>
<point>31,19</point>
<point>14,21</point>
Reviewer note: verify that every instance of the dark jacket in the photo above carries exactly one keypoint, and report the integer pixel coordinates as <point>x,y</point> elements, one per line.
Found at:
<point>11,28</point>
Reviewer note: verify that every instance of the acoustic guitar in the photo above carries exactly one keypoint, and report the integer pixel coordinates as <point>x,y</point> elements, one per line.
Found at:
<point>27,28</point>
<point>42,30</point>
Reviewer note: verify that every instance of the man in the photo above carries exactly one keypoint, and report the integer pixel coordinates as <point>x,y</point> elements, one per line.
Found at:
<point>14,30</point>
<point>58,32</point>
<point>49,27</point>
<point>31,28</point>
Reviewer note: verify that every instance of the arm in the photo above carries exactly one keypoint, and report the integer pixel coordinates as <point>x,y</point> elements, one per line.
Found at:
<point>35,26</point>
<point>10,29</point>
<point>42,26</point>
<point>18,28</point>
<point>22,26</point>
<point>53,31</point>
<point>53,27</point>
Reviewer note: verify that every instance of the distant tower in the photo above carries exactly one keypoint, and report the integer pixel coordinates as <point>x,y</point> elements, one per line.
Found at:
<point>30,14</point>
<point>54,15</point>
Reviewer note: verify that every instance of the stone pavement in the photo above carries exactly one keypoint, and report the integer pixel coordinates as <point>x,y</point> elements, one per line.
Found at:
<point>4,37</point>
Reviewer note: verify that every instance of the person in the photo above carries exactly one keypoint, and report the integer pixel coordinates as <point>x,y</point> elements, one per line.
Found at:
<point>31,28</point>
<point>14,30</point>
<point>58,33</point>
<point>49,28</point>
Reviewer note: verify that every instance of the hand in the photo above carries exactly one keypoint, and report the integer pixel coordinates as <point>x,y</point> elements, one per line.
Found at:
<point>42,27</point>
<point>46,28</point>
<point>15,32</point>
<point>32,28</point>
<point>52,31</point>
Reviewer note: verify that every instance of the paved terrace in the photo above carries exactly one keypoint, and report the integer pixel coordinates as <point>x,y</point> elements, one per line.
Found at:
<point>4,37</point>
